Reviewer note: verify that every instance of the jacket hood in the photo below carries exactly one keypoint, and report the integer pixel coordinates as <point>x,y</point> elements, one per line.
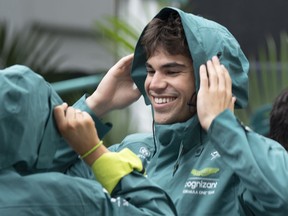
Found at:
<point>206,39</point>
<point>28,133</point>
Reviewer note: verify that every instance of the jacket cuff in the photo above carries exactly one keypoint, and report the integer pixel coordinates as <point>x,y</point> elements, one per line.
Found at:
<point>111,167</point>
<point>102,129</point>
<point>223,121</point>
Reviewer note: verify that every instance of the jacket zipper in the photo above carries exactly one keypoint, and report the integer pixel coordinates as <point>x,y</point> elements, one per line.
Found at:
<point>178,159</point>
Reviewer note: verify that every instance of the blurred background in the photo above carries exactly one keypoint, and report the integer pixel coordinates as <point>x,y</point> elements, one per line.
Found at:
<point>72,44</point>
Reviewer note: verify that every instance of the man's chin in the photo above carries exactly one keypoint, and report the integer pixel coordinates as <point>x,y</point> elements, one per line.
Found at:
<point>161,119</point>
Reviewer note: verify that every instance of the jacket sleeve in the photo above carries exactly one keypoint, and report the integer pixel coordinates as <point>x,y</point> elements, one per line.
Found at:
<point>120,174</point>
<point>260,163</point>
<point>55,193</point>
<point>102,129</point>
<point>120,189</point>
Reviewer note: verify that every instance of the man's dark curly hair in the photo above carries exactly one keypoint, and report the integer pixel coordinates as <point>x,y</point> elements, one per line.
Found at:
<point>279,120</point>
<point>167,34</point>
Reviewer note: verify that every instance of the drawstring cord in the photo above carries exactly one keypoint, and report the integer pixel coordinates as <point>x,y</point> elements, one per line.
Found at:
<point>154,139</point>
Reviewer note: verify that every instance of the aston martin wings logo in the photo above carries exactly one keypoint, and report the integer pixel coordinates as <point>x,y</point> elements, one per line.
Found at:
<point>204,172</point>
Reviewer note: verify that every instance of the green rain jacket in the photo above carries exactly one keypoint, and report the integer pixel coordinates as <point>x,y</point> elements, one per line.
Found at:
<point>229,170</point>
<point>41,175</point>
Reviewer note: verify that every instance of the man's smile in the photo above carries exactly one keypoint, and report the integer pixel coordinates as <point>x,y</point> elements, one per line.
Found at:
<point>163,100</point>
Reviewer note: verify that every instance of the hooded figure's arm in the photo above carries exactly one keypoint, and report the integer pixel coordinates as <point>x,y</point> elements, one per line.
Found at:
<point>55,193</point>
<point>120,173</point>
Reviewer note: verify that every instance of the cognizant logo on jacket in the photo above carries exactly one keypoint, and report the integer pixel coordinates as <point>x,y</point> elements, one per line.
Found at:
<point>202,182</point>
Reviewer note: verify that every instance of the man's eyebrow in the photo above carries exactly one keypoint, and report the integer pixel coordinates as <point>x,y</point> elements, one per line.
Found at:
<point>168,65</point>
<point>147,65</point>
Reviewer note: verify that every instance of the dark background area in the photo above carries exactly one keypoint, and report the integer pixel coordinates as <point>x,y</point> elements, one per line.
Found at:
<point>250,21</point>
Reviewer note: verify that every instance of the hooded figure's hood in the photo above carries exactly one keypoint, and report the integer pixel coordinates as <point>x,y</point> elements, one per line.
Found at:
<point>28,134</point>
<point>205,39</point>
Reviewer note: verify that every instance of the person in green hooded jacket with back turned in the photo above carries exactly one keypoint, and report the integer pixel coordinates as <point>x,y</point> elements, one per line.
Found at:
<point>199,159</point>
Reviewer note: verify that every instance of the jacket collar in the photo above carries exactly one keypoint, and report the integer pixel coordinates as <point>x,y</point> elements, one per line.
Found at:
<point>172,136</point>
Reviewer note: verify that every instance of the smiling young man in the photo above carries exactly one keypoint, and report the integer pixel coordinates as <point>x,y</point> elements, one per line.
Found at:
<point>199,153</point>
<point>169,86</point>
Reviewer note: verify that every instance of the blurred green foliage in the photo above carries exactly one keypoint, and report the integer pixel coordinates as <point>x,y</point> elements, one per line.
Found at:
<point>268,76</point>
<point>119,36</point>
<point>29,47</point>
<point>39,51</point>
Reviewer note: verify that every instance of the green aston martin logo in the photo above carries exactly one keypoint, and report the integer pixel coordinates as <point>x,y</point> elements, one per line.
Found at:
<point>204,172</point>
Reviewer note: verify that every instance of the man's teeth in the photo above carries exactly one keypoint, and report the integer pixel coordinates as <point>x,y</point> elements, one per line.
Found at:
<point>163,100</point>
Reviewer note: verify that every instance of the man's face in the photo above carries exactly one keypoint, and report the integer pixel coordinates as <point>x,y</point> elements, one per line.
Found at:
<point>169,85</point>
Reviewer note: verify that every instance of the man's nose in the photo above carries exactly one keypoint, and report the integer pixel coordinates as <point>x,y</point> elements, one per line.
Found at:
<point>158,81</point>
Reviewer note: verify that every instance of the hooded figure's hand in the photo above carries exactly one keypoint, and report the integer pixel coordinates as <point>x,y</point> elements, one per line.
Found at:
<point>116,90</point>
<point>78,129</point>
<point>215,92</point>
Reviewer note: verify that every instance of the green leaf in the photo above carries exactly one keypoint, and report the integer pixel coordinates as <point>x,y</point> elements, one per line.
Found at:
<point>272,67</point>
<point>29,47</point>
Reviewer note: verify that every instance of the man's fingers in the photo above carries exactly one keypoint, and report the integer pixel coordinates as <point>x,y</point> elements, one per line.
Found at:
<point>213,75</point>
<point>128,58</point>
<point>219,73</point>
<point>87,117</point>
<point>232,104</point>
<point>124,61</point>
<point>228,88</point>
<point>204,82</point>
<point>59,114</point>
<point>227,78</point>
<point>224,80</point>
<point>71,113</point>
